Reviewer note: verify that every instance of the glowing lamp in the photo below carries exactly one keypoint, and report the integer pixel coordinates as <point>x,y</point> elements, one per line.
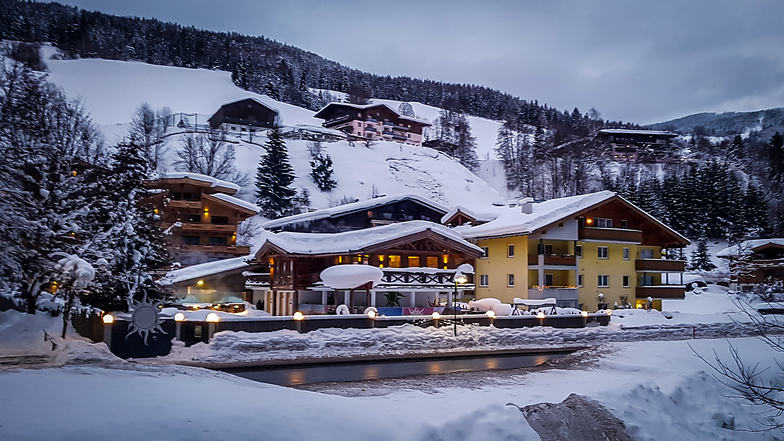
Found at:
<point>589,221</point>
<point>460,278</point>
<point>584,313</point>
<point>609,312</point>
<point>108,319</point>
<point>436,315</point>
<point>299,316</point>
<point>490,314</point>
<point>200,283</point>
<point>179,317</point>
<point>540,315</point>
<point>212,318</point>
<point>371,314</point>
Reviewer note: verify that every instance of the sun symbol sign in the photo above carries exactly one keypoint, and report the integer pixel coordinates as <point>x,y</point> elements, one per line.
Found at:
<point>145,320</point>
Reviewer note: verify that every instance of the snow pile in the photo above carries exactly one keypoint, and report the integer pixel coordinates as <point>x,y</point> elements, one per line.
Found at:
<point>214,182</point>
<point>351,276</point>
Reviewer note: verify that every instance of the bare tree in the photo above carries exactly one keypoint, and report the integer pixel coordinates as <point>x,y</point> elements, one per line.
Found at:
<point>208,154</point>
<point>145,129</point>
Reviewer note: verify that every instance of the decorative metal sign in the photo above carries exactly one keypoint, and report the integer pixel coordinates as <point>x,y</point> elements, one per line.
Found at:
<point>145,320</point>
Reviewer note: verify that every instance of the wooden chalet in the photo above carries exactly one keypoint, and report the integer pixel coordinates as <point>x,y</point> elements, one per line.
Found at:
<point>246,115</point>
<point>372,122</point>
<point>200,217</point>
<point>754,262</point>
<point>418,259</point>
<point>361,214</point>
<point>634,144</point>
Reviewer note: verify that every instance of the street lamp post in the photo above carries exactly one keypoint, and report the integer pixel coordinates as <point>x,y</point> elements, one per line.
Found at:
<point>460,278</point>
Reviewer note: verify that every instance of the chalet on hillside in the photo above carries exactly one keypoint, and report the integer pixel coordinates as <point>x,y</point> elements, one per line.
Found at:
<point>200,215</point>
<point>246,115</point>
<point>755,261</point>
<point>362,214</point>
<point>418,259</point>
<point>630,144</point>
<point>372,122</point>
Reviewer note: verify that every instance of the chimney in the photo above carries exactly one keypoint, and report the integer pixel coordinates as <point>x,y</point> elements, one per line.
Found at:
<point>527,205</point>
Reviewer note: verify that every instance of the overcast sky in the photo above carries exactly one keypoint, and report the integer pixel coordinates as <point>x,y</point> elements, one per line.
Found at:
<point>632,60</point>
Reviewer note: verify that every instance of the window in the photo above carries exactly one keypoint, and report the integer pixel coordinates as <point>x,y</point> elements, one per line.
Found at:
<point>548,280</point>
<point>548,249</point>
<point>646,253</point>
<point>432,261</point>
<point>603,253</point>
<point>624,223</point>
<point>219,240</point>
<point>191,240</point>
<point>578,251</point>
<point>625,254</point>
<point>192,218</point>
<point>483,280</point>
<point>602,222</point>
<point>219,220</point>
<point>580,280</point>
<point>485,252</point>
<point>510,280</point>
<point>646,280</point>
<point>625,281</point>
<point>604,281</point>
<point>413,261</point>
<point>510,251</point>
<point>394,261</point>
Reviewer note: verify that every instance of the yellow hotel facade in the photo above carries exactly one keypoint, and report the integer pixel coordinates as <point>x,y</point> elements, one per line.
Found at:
<point>593,251</point>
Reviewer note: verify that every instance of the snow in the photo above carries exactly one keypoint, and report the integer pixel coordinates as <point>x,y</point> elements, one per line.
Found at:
<point>236,201</point>
<point>76,270</point>
<point>352,241</point>
<point>214,182</point>
<point>639,132</point>
<point>351,276</point>
<point>748,247</point>
<point>351,208</point>
<point>205,269</point>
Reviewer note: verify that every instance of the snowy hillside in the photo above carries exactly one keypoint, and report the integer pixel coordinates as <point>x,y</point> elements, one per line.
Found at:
<point>111,91</point>
<point>762,123</point>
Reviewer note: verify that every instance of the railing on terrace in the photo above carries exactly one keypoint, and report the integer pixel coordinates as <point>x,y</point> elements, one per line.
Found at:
<point>425,276</point>
<point>670,266</point>
<point>611,234</point>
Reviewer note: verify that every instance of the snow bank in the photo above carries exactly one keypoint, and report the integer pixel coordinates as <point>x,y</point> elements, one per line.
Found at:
<point>351,276</point>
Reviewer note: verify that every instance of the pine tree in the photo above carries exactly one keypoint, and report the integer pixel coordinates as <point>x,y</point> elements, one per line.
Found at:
<point>755,212</point>
<point>700,261</point>
<point>321,171</point>
<point>274,177</point>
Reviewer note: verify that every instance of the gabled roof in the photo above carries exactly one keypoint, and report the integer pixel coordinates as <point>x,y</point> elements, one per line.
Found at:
<point>202,180</point>
<point>478,217</point>
<point>664,133</point>
<point>344,209</point>
<point>256,100</point>
<point>748,247</point>
<point>513,222</point>
<point>365,107</point>
<point>358,241</point>
<point>238,203</point>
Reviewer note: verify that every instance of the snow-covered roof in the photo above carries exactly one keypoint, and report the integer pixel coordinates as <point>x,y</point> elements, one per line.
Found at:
<point>638,132</point>
<point>512,221</point>
<point>747,247</point>
<point>252,99</point>
<point>205,269</point>
<point>484,217</point>
<point>358,240</point>
<point>352,207</point>
<point>370,106</point>
<point>214,182</point>
<point>236,201</point>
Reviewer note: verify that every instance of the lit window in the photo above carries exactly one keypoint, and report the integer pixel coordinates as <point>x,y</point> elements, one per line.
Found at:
<point>394,261</point>
<point>432,261</point>
<point>413,261</point>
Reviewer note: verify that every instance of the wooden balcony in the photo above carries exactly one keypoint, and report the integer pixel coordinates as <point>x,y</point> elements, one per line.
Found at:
<point>610,234</point>
<point>208,228</point>
<point>222,249</point>
<point>661,292</point>
<point>553,259</point>
<point>660,265</point>
<point>179,203</point>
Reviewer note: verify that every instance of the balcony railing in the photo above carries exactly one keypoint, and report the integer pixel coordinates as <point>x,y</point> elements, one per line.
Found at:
<point>181,203</point>
<point>338,120</point>
<point>610,234</point>
<point>225,249</point>
<point>370,129</point>
<point>661,292</point>
<point>217,228</point>
<point>553,259</point>
<point>422,277</point>
<point>660,265</point>
<point>564,296</point>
